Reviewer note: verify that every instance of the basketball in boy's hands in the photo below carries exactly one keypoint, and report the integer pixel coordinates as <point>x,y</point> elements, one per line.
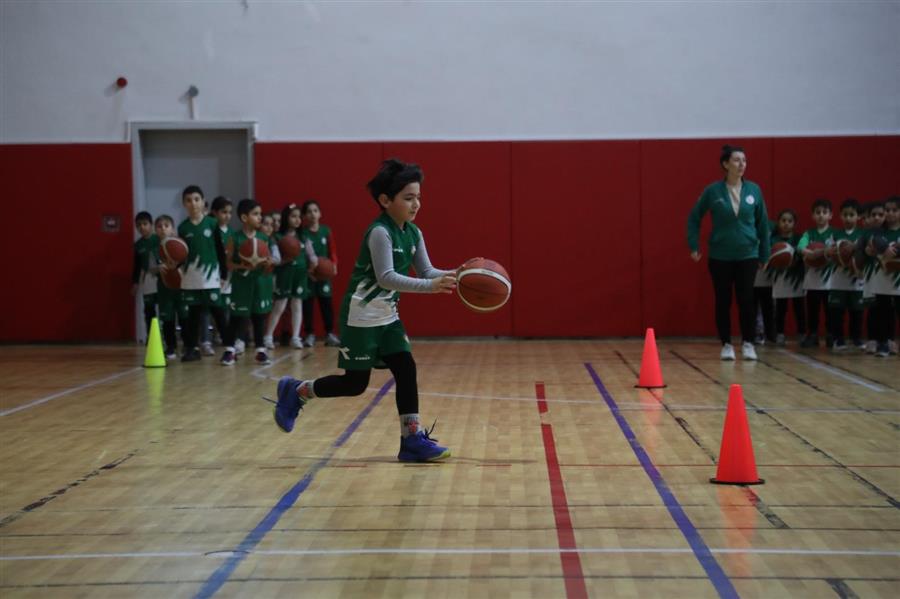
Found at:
<point>173,249</point>
<point>171,277</point>
<point>253,251</point>
<point>324,270</point>
<point>892,264</point>
<point>289,246</point>
<point>483,285</point>
<point>817,259</point>
<point>781,255</point>
<point>844,253</point>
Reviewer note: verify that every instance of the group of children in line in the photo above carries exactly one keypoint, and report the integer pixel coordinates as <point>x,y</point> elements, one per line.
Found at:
<point>867,285</point>
<point>216,281</point>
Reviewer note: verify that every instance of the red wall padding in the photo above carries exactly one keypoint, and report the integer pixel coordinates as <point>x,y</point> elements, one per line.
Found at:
<point>592,232</point>
<point>68,280</point>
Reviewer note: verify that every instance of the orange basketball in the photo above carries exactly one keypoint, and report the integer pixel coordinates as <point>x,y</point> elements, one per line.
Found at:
<point>844,253</point>
<point>253,251</point>
<point>483,285</point>
<point>781,255</point>
<point>817,260</point>
<point>892,265</point>
<point>324,270</point>
<point>173,249</point>
<point>171,278</point>
<point>289,246</point>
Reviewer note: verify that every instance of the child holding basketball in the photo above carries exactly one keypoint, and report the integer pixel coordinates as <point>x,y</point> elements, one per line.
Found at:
<point>322,239</point>
<point>200,283</point>
<point>846,294</point>
<point>291,281</point>
<point>817,279</point>
<point>249,297</point>
<point>787,284</point>
<point>168,299</point>
<point>763,303</point>
<point>873,223</point>
<point>143,273</point>
<point>371,330</point>
<point>885,283</point>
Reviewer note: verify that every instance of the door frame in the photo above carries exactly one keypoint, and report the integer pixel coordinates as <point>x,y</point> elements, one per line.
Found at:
<point>135,128</point>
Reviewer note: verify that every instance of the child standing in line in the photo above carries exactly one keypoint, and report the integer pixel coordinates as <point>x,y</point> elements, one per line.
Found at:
<point>846,288</point>
<point>291,278</point>
<point>171,308</point>
<point>763,299</point>
<point>371,331</point>
<point>143,274</point>
<point>873,223</point>
<point>817,280</point>
<point>248,297</point>
<point>202,271</point>
<point>787,284</point>
<point>885,245</point>
<point>322,239</point>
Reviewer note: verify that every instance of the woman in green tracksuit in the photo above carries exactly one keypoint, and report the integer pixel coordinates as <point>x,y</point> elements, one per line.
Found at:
<point>738,246</point>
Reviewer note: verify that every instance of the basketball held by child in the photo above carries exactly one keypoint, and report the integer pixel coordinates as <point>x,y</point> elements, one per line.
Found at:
<point>892,265</point>
<point>171,278</point>
<point>173,250</point>
<point>817,259</point>
<point>781,256</point>
<point>324,270</point>
<point>483,285</point>
<point>844,252</point>
<point>253,251</point>
<point>289,246</point>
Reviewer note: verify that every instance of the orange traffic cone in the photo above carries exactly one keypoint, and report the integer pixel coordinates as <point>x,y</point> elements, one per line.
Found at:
<point>651,375</point>
<point>737,466</point>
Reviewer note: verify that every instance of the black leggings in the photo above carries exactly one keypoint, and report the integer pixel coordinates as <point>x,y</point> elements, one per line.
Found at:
<point>762,301</point>
<point>781,308</point>
<point>149,315</point>
<point>327,314</point>
<point>739,275</point>
<point>238,327</point>
<point>817,299</point>
<point>354,382</point>
<point>887,314</point>
<point>189,334</point>
<point>837,323</point>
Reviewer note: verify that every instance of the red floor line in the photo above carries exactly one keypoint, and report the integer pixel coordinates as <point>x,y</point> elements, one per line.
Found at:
<point>708,466</point>
<point>571,561</point>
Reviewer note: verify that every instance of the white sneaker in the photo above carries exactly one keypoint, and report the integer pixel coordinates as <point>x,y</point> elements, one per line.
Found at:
<point>871,346</point>
<point>269,342</point>
<point>748,352</point>
<point>296,343</point>
<point>239,346</point>
<point>727,352</point>
<point>207,349</point>
<point>332,340</point>
<point>780,340</point>
<point>309,341</point>
<point>892,347</point>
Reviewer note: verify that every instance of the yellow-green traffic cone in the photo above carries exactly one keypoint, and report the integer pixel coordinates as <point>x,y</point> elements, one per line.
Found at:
<point>154,357</point>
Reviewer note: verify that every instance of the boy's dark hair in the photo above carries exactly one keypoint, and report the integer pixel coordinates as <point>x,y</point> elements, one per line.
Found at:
<point>309,203</point>
<point>874,204</point>
<point>285,216</point>
<point>245,206</point>
<point>191,189</point>
<point>895,200</point>
<point>219,202</point>
<point>727,151</point>
<point>851,203</point>
<point>143,216</point>
<point>392,177</point>
<point>165,218</point>
<point>821,203</point>
<point>788,211</point>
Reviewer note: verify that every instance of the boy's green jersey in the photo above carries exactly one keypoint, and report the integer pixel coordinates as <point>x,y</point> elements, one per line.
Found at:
<point>879,281</point>
<point>789,281</point>
<point>365,303</point>
<point>201,269</point>
<point>744,236</point>
<point>237,238</point>
<point>321,240</point>
<point>818,278</point>
<point>145,250</point>
<point>843,278</point>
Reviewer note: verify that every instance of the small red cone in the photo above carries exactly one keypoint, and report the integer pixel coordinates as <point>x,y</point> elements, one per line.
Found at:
<point>737,466</point>
<point>651,375</point>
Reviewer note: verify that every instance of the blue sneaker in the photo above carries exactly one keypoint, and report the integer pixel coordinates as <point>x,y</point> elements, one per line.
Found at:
<point>420,447</point>
<point>290,402</point>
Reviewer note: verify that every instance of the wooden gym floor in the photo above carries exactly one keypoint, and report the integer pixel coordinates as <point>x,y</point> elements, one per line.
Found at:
<point>565,481</point>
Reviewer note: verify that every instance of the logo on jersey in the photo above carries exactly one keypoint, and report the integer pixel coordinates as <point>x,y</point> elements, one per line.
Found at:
<point>207,233</point>
<point>398,250</point>
<point>213,296</point>
<point>751,200</point>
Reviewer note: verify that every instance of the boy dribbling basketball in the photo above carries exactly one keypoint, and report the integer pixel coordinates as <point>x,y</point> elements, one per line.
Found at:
<point>371,331</point>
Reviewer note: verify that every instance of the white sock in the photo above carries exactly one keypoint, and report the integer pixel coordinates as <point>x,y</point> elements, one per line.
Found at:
<point>275,316</point>
<point>296,316</point>
<point>409,424</point>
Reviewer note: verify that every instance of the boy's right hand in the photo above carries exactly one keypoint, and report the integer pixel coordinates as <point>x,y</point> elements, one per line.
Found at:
<point>695,256</point>
<point>443,284</point>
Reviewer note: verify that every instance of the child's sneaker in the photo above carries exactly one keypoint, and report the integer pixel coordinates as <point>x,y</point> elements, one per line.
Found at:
<point>292,395</point>
<point>262,357</point>
<point>839,346</point>
<point>207,348</point>
<point>858,345</point>
<point>309,341</point>
<point>780,340</point>
<point>727,352</point>
<point>420,447</point>
<point>332,340</point>
<point>171,354</point>
<point>296,343</point>
<point>871,346</point>
<point>883,350</point>
<point>892,347</point>
<point>748,352</point>
<point>191,355</point>
<point>227,358</point>
<point>810,341</point>
<point>269,342</point>
<point>239,347</point>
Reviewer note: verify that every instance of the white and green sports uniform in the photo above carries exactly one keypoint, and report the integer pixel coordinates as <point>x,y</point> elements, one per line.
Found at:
<point>370,322</point>
<point>322,244</point>
<point>200,279</point>
<point>250,293</point>
<point>145,257</point>
<point>846,287</point>
<point>818,278</point>
<point>788,282</point>
<point>882,282</point>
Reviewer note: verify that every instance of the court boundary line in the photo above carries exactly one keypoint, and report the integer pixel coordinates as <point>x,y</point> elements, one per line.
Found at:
<point>69,391</point>
<point>836,371</point>
<point>221,575</point>
<point>715,573</point>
